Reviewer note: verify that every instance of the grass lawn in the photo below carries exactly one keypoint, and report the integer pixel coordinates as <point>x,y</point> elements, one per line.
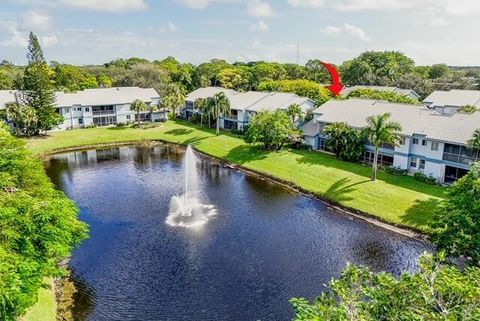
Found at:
<point>46,307</point>
<point>399,200</point>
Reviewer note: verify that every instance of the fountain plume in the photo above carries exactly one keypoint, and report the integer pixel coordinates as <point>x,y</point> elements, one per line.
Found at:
<point>187,210</point>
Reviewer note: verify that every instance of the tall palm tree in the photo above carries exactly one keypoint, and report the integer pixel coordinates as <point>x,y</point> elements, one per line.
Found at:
<point>381,130</point>
<point>138,106</point>
<point>219,105</point>
<point>295,112</point>
<point>173,98</point>
<point>475,141</point>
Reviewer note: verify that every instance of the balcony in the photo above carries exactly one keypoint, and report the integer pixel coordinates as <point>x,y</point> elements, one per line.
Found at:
<point>460,154</point>
<point>460,159</point>
<point>103,112</point>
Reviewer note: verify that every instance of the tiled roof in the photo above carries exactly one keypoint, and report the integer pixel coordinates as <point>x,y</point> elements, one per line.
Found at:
<point>94,97</point>
<point>253,101</point>
<point>415,120</point>
<point>455,98</point>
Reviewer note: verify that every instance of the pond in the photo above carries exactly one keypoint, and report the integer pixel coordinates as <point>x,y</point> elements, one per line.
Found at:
<point>265,244</point>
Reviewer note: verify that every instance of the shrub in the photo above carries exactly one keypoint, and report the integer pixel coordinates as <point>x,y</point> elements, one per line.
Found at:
<point>397,171</point>
<point>271,129</point>
<point>382,95</point>
<point>429,179</point>
<point>468,109</point>
<point>347,143</point>
<point>305,88</point>
<point>121,124</point>
<point>456,227</point>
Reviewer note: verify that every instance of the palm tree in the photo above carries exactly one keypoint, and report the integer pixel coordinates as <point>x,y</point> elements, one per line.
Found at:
<point>295,112</point>
<point>218,105</point>
<point>381,130</point>
<point>151,108</point>
<point>138,106</point>
<point>173,98</point>
<point>475,141</point>
<point>201,104</point>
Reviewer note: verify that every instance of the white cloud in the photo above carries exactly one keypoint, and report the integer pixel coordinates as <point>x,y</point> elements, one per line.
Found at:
<point>11,36</point>
<point>36,21</point>
<point>260,26</point>
<point>307,3</point>
<point>260,8</point>
<point>201,4</point>
<point>349,29</point>
<point>49,40</point>
<point>172,27</point>
<point>94,5</point>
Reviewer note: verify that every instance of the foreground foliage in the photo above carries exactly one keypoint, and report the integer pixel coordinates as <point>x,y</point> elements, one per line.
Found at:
<point>456,224</point>
<point>38,227</point>
<point>436,292</point>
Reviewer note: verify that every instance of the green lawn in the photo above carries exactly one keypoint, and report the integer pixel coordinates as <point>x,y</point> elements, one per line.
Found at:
<point>398,200</point>
<point>46,307</point>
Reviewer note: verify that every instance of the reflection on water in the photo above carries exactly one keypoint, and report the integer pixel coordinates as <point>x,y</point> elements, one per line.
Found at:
<point>268,243</point>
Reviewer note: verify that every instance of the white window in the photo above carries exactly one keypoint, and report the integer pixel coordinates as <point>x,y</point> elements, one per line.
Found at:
<point>413,162</point>
<point>80,121</point>
<point>128,117</point>
<point>87,109</point>
<point>415,141</point>
<point>79,108</point>
<point>424,142</point>
<point>402,141</point>
<point>66,110</point>
<point>435,146</point>
<point>421,165</point>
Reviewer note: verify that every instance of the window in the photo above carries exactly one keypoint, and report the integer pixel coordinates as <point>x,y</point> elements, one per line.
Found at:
<point>424,142</point>
<point>129,117</point>
<point>80,121</point>
<point>434,146</point>
<point>79,108</point>
<point>413,162</point>
<point>66,110</point>
<point>402,141</point>
<point>415,141</point>
<point>87,109</point>
<point>421,165</point>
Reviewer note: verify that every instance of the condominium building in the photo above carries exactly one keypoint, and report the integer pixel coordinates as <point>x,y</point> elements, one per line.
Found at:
<point>244,105</point>
<point>433,143</point>
<point>98,107</point>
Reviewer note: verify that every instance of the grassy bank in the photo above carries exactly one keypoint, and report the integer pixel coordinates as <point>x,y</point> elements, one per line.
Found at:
<point>395,199</point>
<point>46,307</point>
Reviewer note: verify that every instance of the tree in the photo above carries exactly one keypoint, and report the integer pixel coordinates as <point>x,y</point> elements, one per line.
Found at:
<point>475,141</point>
<point>436,292</point>
<point>37,87</point>
<point>271,129</point>
<point>138,106</point>
<point>294,112</point>
<point>218,105</point>
<point>201,104</point>
<point>381,130</point>
<point>39,227</point>
<point>173,97</point>
<point>382,95</point>
<point>347,143</point>
<point>455,225</point>
<point>231,78</point>
<point>304,88</point>
<point>316,71</point>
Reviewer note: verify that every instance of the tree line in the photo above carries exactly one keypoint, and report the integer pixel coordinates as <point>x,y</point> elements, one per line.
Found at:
<point>383,68</point>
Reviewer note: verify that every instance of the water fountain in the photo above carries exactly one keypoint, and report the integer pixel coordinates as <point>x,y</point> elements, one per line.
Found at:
<point>187,210</point>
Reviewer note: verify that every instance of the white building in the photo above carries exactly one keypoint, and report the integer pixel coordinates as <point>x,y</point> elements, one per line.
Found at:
<point>434,144</point>
<point>400,91</point>
<point>449,102</point>
<point>99,107</point>
<point>244,105</point>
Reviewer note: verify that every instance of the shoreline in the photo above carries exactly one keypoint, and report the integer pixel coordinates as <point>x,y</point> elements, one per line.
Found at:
<point>345,210</point>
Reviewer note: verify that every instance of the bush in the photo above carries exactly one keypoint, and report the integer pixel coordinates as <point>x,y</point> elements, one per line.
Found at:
<point>429,179</point>
<point>456,227</point>
<point>38,227</point>
<point>347,143</point>
<point>271,129</point>
<point>301,87</point>
<point>382,95</point>
<point>397,171</point>
<point>121,124</point>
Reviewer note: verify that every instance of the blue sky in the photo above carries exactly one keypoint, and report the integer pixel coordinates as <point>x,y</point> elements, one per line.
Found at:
<point>96,31</point>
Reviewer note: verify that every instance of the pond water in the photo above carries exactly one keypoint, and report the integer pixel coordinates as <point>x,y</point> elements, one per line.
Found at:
<point>265,244</point>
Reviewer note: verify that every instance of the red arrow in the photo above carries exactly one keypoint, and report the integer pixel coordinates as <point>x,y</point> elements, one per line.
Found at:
<point>336,87</point>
